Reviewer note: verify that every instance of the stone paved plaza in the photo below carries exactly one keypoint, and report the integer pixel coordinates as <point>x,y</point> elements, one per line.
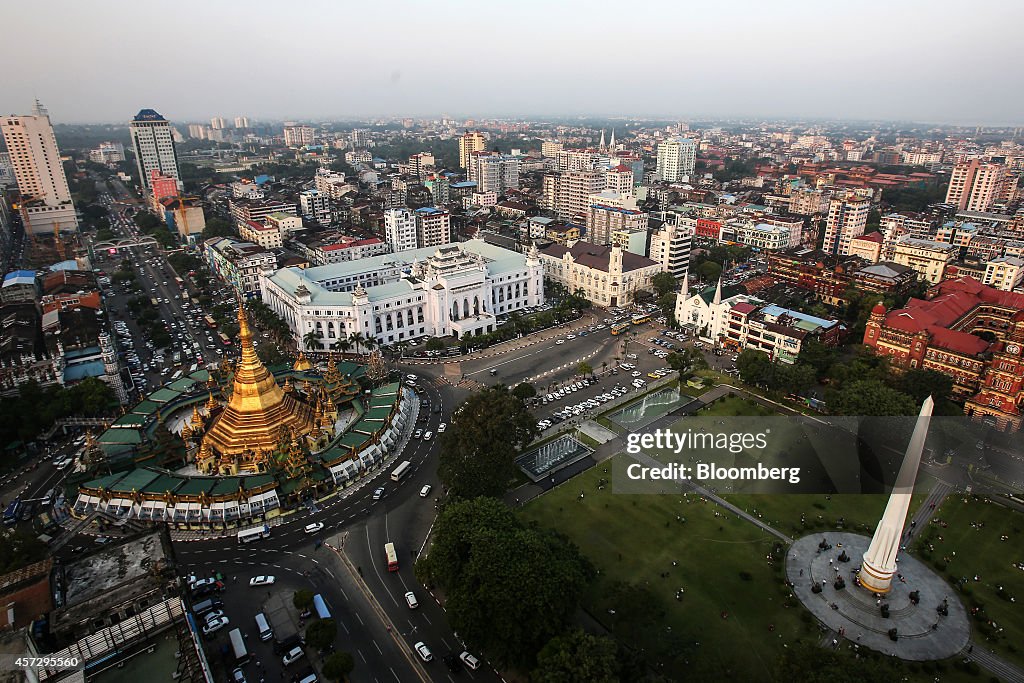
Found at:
<point>923,634</point>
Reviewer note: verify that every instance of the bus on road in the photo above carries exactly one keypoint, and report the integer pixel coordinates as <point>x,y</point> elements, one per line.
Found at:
<point>389,550</point>
<point>401,471</point>
<point>253,534</point>
<point>224,339</point>
<point>210,322</point>
<point>641,318</point>
<point>238,647</point>
<point>619,328</point>
<point>321,607</point>
<point>153,300</point>
<point>181,283</point>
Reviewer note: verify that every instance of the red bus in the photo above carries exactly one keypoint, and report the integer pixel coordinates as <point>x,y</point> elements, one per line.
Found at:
<point>210,322</point>
<point>181,283</point>
<point>389,550</point>
<point>224,339</point>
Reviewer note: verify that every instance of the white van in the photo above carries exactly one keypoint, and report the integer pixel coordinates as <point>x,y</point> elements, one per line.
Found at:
<point>266,633</point>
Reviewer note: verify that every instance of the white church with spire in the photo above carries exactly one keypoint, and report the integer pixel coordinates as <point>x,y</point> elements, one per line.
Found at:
<point>708,310</point>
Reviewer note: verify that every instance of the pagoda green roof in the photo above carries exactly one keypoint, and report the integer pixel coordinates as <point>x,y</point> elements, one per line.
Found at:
<point>117,435</point>
<point>164,483</point>
<point>164,395</point>
<point>135,480</point>
<point>193,486</point>
<point>145,408</point>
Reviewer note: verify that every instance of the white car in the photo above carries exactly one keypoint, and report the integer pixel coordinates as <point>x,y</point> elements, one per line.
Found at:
<point>428,436</point>
<point>412,377</point>
<point>293,655</point>
<point>379,493</point>
<point>425,491</point>
<point>215,625</point>
<point>441,427</point>
<point>314,527</point>
<point>261,581</point>
<point>570,336</point>
<point>636,373</point>
<point>470,661</point>
<point>423,651</point>
<point>216,614</point>
<point>559,342</point>
<point>410,599</point>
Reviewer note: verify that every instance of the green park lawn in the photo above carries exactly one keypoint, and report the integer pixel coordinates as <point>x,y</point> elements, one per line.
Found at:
<point>732,406</point>
<point>858,513</point>
<point>636,538</point>
<point>984,539</point>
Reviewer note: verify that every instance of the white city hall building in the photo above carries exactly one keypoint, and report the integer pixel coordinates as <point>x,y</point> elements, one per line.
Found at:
<point>454,289</point>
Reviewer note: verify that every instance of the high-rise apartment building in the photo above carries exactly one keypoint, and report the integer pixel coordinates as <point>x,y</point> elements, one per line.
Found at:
<point>241,122</point>
<point>670,247</point>
<point>153,142</point>
<point>471,141</point>
<point>550,149</point>
<point>604,220</point>
<point>400,229</point>
<point>847,218</point>
<point>45,197</point>
<point>493,172</point>
<point>421,164</point>
<point>218,123</point>
<point>298,136</point>
<point>620,179</point>
<point>315,205</point>
<point>572,193</point>
<point>677,158</point>
<point>433,227</point>
<point>976,186</point>
<point>582,160</point>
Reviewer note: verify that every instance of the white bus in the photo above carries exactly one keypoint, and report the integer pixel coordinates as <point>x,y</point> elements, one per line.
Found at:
<point>254,534</point>
<point>401,470</point>
<point>238,647</point>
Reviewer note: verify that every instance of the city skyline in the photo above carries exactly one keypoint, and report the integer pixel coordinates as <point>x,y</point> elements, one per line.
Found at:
<point>703,62</point>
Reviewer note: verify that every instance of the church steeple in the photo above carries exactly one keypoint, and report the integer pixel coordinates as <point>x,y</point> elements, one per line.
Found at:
<point>601,146</point>
<point>718,293</point>
<point>611,144</point>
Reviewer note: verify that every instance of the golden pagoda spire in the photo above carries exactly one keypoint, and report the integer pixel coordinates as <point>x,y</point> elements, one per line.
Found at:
<point>211,402</point>
<point>197,418</point>
<point>288,388</point>
<point>186,432</point>
<point>302,363</point>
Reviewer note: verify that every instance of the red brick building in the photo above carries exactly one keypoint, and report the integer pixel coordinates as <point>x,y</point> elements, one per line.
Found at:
<point>948,332</point>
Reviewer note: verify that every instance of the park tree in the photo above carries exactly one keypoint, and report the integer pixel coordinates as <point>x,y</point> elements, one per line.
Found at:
<point>709,271</point>
<point>871,397</point>
<point>459,526</point>
<point>795,378</point>
<point>523,391</point>
<point>321,633</point>
<point>686,361</point>
<point>667,303</point>
<point>302,599</point>
<point>584,368</point>
<point>755,368</point>
<point>664,283</point>
<point>519,589</point>
<point>435,344</point>
<point>920,384</point>
<point>338,666</point>
<point>19,549</point>
<point>479,448</point>
<point>803,661</point>
<point>577,656</point>
<point>642,296</point>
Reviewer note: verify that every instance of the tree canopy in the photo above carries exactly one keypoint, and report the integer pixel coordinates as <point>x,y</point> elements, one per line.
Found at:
<point>478,450</point>
<point>510,587</point>
<point>577,656</point>
<point>664,283</point>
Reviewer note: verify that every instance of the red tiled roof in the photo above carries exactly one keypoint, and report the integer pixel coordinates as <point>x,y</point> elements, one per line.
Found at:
<point>744,308</point>
<point>871,237</point>
<point>955,298</point>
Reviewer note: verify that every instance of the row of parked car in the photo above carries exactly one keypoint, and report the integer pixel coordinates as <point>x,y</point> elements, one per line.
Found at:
<point>582,407</point>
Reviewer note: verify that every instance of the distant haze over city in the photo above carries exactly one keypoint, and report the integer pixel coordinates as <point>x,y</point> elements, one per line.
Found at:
<point>933,62</point>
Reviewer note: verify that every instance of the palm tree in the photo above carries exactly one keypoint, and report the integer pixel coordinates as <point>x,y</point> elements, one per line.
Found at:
<point>344,345</point>
<point>356,338</point>
<point>311,340</point>
<point>370,343</point>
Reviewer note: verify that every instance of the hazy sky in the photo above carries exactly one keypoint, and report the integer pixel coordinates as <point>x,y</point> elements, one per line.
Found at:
<point>923,60</point>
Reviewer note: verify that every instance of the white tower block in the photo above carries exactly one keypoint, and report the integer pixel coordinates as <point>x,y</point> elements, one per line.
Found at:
<point>879,563</point>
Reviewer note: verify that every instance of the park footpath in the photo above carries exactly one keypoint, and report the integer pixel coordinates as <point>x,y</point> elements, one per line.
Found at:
<point>985,658</point>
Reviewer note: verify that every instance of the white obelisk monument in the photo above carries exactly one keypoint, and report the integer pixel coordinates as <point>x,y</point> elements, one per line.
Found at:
<point>879,563</point>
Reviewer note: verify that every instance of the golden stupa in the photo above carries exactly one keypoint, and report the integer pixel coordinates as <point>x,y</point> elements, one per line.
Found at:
<point>258,408</point>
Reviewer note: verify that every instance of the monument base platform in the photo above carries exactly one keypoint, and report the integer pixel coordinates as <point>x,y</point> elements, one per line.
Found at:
<point>922,632</point>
